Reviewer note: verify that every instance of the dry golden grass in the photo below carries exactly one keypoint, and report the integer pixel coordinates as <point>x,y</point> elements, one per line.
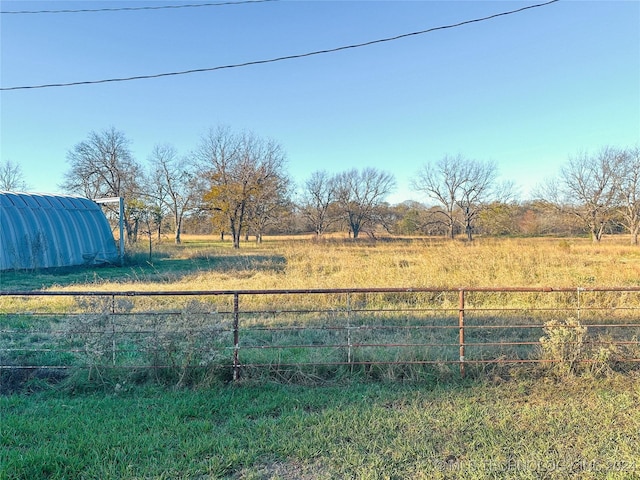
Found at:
<point>301,263</point>
<point>205,263</point>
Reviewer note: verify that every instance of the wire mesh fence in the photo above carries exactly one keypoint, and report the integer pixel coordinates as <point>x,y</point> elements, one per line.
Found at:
<point>317,332</point>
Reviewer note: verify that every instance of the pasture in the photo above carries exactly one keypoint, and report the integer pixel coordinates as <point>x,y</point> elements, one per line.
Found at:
<point>512,422</point>
<point>300,262</point>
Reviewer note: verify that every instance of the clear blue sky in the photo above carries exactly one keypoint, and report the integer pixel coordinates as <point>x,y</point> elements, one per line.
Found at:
<point>525,90</point>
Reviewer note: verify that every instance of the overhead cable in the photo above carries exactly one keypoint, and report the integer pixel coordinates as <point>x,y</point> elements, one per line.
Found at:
<point>279,59</point>
<point>129,9</point>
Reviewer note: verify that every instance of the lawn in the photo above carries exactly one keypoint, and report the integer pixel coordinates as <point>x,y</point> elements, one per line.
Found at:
<point>517,428</point>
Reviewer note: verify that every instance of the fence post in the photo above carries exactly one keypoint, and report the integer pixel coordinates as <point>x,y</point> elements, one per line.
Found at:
<point>578,300</point>
<point>349,330</point>
<point>113,330</point>
<point>461,328</point>
<point>236,336</point>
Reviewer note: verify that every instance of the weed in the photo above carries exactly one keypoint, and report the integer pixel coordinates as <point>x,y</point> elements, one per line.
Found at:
<point>563,345</point>
<point>569,349</point>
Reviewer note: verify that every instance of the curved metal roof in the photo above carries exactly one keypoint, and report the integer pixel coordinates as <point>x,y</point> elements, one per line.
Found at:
<point>43,230</point>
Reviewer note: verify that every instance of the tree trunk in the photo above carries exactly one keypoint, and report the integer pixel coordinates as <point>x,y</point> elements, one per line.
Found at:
<point>235,236</point>
<point>132,232</point>
<point>178,222</point>
<point>596,234</point>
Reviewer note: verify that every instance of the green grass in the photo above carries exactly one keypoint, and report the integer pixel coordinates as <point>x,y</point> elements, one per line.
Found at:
<point>525,429</point>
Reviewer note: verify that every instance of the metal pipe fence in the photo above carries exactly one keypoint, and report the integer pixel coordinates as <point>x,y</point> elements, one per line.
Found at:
<point>245,332</point>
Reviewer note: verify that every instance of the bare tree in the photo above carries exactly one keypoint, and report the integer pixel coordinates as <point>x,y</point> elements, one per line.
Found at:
<point>176,185</point>
<point>103,166</point>
<point>146,218</point>
<point>360,195</point>
<point>477,192</point>
<point>269,204</point>
<point>318,201</point>
<point>463,187</point>
<point>441,181</point>
<point>12,177</point>
<point>587,189</point>
<point>240,166</point>
<point>628,187</point>
<point>156,195</point>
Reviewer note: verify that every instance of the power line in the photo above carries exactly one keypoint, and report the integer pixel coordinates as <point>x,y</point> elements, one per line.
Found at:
<point>279,59</point>
<point>129,9</point>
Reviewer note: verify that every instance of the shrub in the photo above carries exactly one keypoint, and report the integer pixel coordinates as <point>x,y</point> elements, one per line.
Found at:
<point>568,350</point>
<point>563,345</point>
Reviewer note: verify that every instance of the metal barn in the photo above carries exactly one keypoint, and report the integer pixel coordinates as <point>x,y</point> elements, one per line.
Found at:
<point>44,230</point>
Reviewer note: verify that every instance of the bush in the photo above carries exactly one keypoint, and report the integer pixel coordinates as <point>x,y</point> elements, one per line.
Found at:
<point>563,345</point>
<point>568,350</point>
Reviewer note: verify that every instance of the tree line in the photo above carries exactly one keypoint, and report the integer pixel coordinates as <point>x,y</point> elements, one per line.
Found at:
<point>236,183</point>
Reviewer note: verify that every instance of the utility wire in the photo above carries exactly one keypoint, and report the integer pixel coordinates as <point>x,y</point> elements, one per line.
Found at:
<point>279,59</point>
<point>129,9</point>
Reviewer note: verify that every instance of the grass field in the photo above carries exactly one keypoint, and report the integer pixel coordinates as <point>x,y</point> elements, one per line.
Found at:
<point>522,423</point>
<point>521,429</point>
<point>203,263</point>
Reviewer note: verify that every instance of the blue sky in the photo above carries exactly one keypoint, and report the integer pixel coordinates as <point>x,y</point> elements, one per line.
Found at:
<point>525,90</point>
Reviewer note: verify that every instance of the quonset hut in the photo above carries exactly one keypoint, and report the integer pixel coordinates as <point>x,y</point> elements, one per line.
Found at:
<point>43,230</point>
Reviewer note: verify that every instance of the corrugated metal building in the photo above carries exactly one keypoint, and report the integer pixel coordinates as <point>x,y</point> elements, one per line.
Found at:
<point>43,230</point>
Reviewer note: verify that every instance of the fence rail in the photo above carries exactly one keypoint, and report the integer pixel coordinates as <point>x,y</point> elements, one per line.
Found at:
<point>244,331</point>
